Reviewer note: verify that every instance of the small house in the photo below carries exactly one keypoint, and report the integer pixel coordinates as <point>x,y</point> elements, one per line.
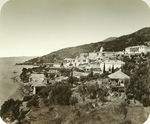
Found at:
<point>57,64</point>
<point>117,80</point>
<point>69,62</point>
<point>36,77</point>
<point>37,81</point>
<point>81,60</point>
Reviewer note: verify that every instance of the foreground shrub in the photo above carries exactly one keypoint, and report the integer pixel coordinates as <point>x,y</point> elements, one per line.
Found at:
<point>60,94</point>
<point>10,109</point>
<point>27,98</point>
<point>145,101</point>
<point>33,102</point>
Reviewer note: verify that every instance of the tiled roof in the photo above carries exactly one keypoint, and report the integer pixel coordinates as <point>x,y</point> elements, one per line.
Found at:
<point>114,62</point>
<point>118,75</point>
<point>33,76</point>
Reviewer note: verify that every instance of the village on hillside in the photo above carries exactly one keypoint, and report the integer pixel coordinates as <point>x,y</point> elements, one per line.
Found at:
<point>105,67</point>
<point>68,91</point>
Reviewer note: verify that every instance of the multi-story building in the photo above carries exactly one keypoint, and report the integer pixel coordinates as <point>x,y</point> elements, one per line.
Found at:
<point>69,62</point>
<point>137,49</point>
<point>93,55</point>
<point>81,60</point>
<point>111,63</point>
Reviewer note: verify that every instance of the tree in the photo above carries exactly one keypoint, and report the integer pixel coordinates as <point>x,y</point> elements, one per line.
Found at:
<point>113,68</point>
<point>10,109</point>
<point>60,94</point>
<point>104,68</point>
<point>123,109</point>
<point>71,77</point>
<point>91,73</point>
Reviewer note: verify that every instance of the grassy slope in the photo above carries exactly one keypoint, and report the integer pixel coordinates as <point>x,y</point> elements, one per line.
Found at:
<point>65,115</point>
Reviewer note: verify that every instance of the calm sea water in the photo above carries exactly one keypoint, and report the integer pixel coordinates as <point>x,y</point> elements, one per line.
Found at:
<point>8,70</point>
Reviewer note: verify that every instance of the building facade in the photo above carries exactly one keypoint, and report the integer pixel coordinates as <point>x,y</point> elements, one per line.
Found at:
<point>137,49</point>
<point>111,63</point>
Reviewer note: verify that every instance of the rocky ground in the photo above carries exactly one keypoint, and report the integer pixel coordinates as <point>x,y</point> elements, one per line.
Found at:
<point>93,112</point>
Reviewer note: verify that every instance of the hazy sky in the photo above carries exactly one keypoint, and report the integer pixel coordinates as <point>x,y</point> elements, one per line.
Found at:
<point>38,27</point>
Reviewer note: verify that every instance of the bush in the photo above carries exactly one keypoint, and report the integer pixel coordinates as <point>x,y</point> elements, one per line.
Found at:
<point>65,72</point>
<point>130,96</point>
<point>96,76</point>
<point>60,94</point>
<point>145,101</point>
<point>73,100</point>
<point>27,98</point>
<point>83,78</point>
<point>44,92</point>
<point>128,122</point>
<point>33,102</point>
<point>10,109</point>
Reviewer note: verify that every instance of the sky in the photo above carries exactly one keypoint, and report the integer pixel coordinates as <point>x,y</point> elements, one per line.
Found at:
<point>38,27</point>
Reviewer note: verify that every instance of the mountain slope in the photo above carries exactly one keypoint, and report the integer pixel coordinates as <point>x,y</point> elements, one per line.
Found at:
<point>141,37</point>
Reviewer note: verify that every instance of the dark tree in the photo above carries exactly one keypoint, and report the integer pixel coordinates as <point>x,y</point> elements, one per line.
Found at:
<point>113,68</point>
<point>60,94</point>
<point>104,68</point>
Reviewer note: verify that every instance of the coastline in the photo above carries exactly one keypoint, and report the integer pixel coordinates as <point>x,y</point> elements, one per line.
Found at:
<point>10,83</point>
<point>17,93</point>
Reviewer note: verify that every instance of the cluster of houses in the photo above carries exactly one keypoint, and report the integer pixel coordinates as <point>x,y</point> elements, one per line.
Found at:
<point>97,61</point>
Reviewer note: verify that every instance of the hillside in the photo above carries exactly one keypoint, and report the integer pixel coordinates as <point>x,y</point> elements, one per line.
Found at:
<point>141,37</point>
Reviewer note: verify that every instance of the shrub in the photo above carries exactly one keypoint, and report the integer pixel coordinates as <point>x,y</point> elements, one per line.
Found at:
<point>33,102</point>
<point>65,72</point>
<point>60,94</point>
<point>10,109</point>
<point>128,122</point>
<point>73,100</point>
<point>83,78</point>
<point>43,92</point>
<point>145,101</point>
<point>27,98</point>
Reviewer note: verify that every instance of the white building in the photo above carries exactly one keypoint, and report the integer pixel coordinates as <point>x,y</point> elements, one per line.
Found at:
<point>110,63</point>
<point>37,81</point>
<point>36,77</point>
<point>69,62</point>
<point>83,55</point>
<point>137,49</point>
<point>81,60</point>
<point>93,55</point>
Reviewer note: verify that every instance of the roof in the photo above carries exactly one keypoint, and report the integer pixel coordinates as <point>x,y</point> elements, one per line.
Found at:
<point>68,59</point>
<point>78,74</point>
<point>118,75</point>
<point>35,76</point>
<point>137,46</point>
<point>52,71</point>
<point>38,84</point>
<point>81,58</point>
<point>47,63</point>
<point>114,62</point>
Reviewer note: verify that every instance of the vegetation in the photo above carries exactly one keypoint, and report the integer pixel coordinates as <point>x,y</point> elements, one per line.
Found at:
<point>25,75</point>
<point>137,68</point>
<point>60,94</point>
<point>11,109</point>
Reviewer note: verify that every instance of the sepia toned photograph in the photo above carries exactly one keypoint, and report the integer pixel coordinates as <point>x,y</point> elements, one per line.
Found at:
<point>74,61</point>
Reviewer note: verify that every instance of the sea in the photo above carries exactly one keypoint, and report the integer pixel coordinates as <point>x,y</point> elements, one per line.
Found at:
<point>8,70</point>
